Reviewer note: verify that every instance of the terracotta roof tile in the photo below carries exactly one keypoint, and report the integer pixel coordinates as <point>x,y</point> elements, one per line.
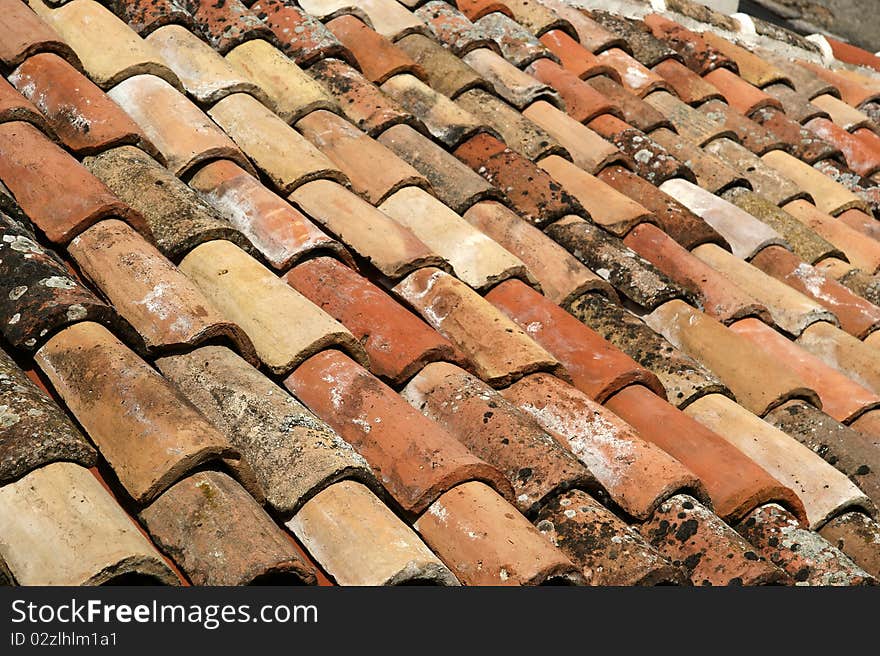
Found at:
<point>634,77</point>
<point>415,458</point>
<point>851,90</point>
<point>647,158</point>
<point>475,9</point>
<point>595,366</point>
<point>683,378</point>
<point>148,449</point>
<point>720,298</point>
<point>375,171</point>
<point>359,541</point>
<point>830,196</point>
<point>56,192</point>
<point>83,117</point>
<point>26,34</point>
<point>37,432</point>
<point>795,104</point>
<point>610,448</point>
<point>219,535</point>
<point>442,70</point>
<point>470,322</point>
<point>693,125</point>
<point>538,17</point>
<point>736,483</point>
<point>739,94</point>
<point>851,54</point>
<point>711,552</point>
<point>63,528</point>
<point>805,145</point>
<point>824,491</point>
<point>511,84</point>
<point>370,234</point>
<point>636,111</point>
<point>645,47</point>
<point>631,275</point>
<point>750,134</point>
<point>561,276</point>
<point>507,549</point>
<point>752,68</point>
<point>379,59</point>
<point>861,156</point>
<point>453,29</point>
<point>700,56</point>
<point>184,135</point>
<point>843,352</point>
<point>294,455</point>
<point>768,182</point>
<point>279,232</point>
<point>15,107</point>
<point>607,550</point>
<point>686,84</point>
<point>856,535</point>
<point>574,57</point>
<point>117,56</point>
<point>285,331</point>
<point>300,35</point>
<point>227,24</point>
<point>532,192</point>
<point>712,174</point>
<point>397,342</point>
<point>147,16</point>
<point>582,102</point>
<point>361,102</point>
<point>177,217</point>
<point>592,34</point>
<point>491,427</point>
<point>699,11</point>
<point>453,182</point>
<point>519,46</point>
<point>839,445</point>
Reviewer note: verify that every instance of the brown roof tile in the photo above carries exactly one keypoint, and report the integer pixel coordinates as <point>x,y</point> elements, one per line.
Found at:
<point>227,24</point>
<point>519,132</point>
<point>416,459</point>
<point>282,234</point>
<point>574,57</point>
<point>486,541</point>
<point>56,192</point>
<point>712,173</point>
<point>675,219</point>
<point>768,182</point>
<point>219,535</point>
<point>736,484</point>
<point>595,366</point>
<point>700,56</point>
<point>532,192</point>
<point>795,104</point>
<point>582,102</point>
<point>743,97</point>
<point>361,102</point>
<point>683,378</point>
<point>294,455</point>
<point>291,92</point>
<point>857,316</point>
<point>636,111</point>
<point>862,157</point>
<point>607,256</point>
<point>686,84</point>
<point>538,17</point>
<point>863,253</point>
<point>844,115</point>
<point>719,297</point>
<point>636,474</point>
<point>300,35</point>
<point>15,107</point>
<point>519,46</point>
<point>499,351</point>
<point>119,54</point>
<point>561,276</point>
<point>370,234</point>
<point>285,327</point>
<point>824,491</point>
<point>63,528</point>
<point>608,208</point>
<point>375,171</point>
<point>851,90</point>
<point>750,134</point>
<point>147,16</point>
<point>510,83</point>
<point>83,117</point>
<point>805,145</point>
<point>184,135</point>
<point>830,196</point>
<point>397,342</point>
<point>452,28</point>
<point>26,34</point>
<point>634,77</point>
<point>36,432</point>
<point>389,18</point>
<point>149,292</point>
<point>205,75</point>
<point>359,541</point>
<point>177,217</point>
<point>752,68</point>
<point>856,535</point>
<point>453,182</point>
<point>711,552</point>
<point>287,158</point>
<point>442,70</point>
<point>693,125</point>
<point>155,442</point>
<point>645,47</point>
<point>475,9</point>
<point>491,427</point>
<point>379,59</point>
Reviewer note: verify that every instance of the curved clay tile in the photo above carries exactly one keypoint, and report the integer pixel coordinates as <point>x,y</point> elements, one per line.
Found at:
<point>686,84</point>
<point>712,173</point>
<point>698,55</point>
<point>453,29</point>
<point>510,83</point>
<point>15,107</point>
<point>635,78</point>
<point>518,46</point>
<point>857,535</point>
<point>443,71</point>
<point>25,34</point>
<point>378,58</point>
<point>227,24</point>
<point>581,101</point>
<point>750,134</point>
<point>574,58</point>
<point>739,94</point>
<point>646,157</point>
<point>765,180</point>
<point>856,359</point>
<point>147,16</point>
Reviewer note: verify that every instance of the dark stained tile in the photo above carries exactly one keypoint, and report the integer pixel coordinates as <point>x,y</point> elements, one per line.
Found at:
<point>300,35</point>
<point>227,23</point>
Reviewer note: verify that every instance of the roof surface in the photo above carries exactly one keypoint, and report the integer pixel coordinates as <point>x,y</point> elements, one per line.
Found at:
<point>372,292</point>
